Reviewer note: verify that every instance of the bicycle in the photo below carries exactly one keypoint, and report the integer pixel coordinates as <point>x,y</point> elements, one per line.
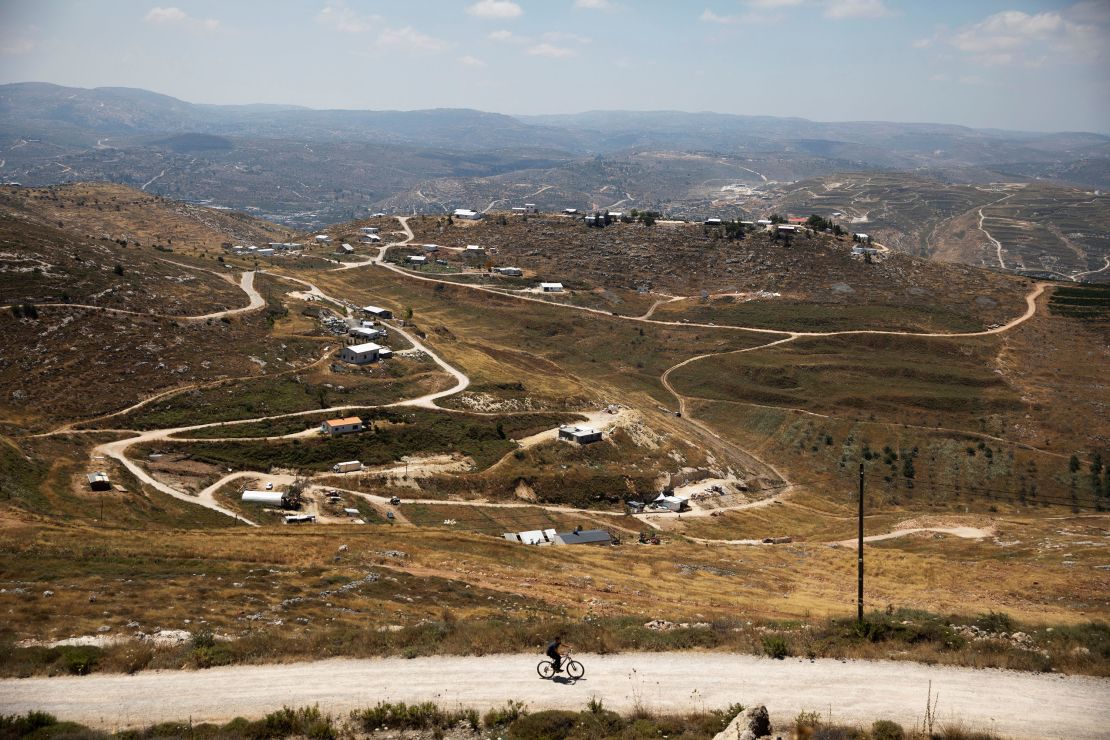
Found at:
<point>574,669</point>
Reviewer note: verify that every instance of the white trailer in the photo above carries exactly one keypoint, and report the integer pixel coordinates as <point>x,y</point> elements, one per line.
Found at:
<point>346,467</point>
<point>270,498</point>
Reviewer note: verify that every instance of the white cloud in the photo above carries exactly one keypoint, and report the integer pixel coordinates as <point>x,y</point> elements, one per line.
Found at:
<point>165,15</point>
<point>841,9</point>
<point>498,9</point>
<point>409,38</point>
<point>551,51</point>
<point>922,43</point>
<point>171,16</point>
<point>708,16</point>
<point>1015,37</point>
<point>594,5</point>
<point>341,18</point>
<point>469,61</point>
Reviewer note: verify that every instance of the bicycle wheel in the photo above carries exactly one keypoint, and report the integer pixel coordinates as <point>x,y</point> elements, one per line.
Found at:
<point>575,669</point>
<point>546,669</point>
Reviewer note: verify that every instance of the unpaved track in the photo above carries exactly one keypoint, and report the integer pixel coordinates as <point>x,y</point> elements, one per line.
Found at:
<point>1026,705</point>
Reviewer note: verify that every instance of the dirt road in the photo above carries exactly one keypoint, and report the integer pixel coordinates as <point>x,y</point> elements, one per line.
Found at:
<point>1026,705</point>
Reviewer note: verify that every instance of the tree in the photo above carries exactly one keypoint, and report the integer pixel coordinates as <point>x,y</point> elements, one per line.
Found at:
<point>119,269</point>
<point>1073,464</point>
<point>648,218</point>
<point>777,219</point>
<point>408,313</point>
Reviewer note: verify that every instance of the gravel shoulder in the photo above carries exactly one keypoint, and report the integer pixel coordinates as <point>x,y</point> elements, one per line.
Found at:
<point>1008,703</point>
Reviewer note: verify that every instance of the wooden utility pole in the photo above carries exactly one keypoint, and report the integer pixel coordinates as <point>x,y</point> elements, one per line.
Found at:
<point>859,589</point>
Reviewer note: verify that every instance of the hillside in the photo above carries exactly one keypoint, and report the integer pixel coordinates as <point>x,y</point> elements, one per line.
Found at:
<point>309,168</point>
<point>973,399</point>
<point>1030,228</point>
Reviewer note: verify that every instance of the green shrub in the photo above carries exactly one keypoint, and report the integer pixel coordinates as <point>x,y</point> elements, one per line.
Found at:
<point>402,716</point>
<point>995,622</point>
<point>511,712</point>
<point>79,660</point>
<point>776,646</point>
<point>19,725</point>
<point>885,729</point>
<point>551,724</point>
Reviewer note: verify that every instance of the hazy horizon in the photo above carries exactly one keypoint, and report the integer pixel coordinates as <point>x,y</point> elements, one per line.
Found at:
<point>1014,65</point>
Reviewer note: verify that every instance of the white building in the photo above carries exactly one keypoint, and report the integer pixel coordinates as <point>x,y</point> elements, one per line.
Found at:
<point>510,271</point>
<point>551,287</point>
<point>570,211</point>
<point>381,313</point>
<point>671,503</point>
<point>431,247</point>
<point>323,239</point>
<point>345,249</point>
<point>360,354</point>
<point>581,435</point>
<point>370,239</point>
<point>416,259</point>
<point>365,334</point>
<point>474,249</point>
<point>763,222</point>
<point>346,425</point>
<point>467,214</point>
<point>712,222</point>
<point>369,230</point>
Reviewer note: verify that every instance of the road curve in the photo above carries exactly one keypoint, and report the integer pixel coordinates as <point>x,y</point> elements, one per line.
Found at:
<point>1073,707</point>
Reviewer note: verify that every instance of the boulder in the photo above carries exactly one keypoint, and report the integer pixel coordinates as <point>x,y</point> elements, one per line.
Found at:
<point>751,724</point>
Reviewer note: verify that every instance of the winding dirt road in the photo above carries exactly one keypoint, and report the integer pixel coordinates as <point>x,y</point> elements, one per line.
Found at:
<point>1072,707</point>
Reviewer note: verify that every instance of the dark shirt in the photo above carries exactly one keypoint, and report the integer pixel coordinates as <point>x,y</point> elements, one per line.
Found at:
<point>553,648</point>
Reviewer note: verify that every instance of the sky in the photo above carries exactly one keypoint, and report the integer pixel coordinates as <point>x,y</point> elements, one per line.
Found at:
<point>1012,64</point>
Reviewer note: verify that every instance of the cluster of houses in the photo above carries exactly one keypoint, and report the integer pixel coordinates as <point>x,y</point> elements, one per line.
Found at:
<point>272,248</point>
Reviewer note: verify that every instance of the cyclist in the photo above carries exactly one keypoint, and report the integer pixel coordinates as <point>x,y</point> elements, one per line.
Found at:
<point>554,651</point>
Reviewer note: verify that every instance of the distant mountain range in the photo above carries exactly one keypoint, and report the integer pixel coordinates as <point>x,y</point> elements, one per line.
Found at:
<point>308,167</point>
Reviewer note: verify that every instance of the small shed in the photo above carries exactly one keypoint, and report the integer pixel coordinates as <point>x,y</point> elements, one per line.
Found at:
<point>584,537</point>
<point>99,481</point>
<point>360,354</point>
<point>370,239</point>
<point>581,435</point>
<point>551,287</point>
<point>467,214</point>
<point>671,503</point>
<point>712,222</point>
<point>323,239</point>
<point>364,333</point>
<point>300,519</point>
<point>381,313</point>
<point>385,353</point>
<point>369,230</point>
<point>346,425</point>
<point>345,249</point>
<point>570,211</point>
<point>474,249</point>
<point>417,259</point>
<point>431,247</point>
<point>510,271</point>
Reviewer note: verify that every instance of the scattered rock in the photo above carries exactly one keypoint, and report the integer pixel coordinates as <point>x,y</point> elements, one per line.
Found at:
<point>343,548</point>
<point>47,594</point>
<point>750,724</point>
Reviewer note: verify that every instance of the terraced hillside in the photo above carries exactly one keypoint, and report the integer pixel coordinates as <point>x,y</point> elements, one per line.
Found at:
<point>1031,228</point>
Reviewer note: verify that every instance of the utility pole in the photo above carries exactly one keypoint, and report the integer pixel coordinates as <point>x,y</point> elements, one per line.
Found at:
<point>859,589</point>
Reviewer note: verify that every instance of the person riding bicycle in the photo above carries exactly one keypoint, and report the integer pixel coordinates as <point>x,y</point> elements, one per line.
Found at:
<point>554,651</point>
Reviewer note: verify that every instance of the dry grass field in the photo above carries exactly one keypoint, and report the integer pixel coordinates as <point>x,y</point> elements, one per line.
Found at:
<point>969,440</point>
